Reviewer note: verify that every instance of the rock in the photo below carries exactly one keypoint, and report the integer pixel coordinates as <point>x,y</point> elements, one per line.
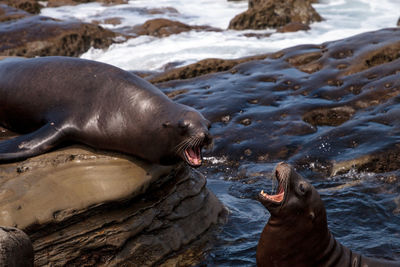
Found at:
<point>8,13</point>
<point>293,27</point>
<point>273,14</point>
<point>43,36</point>
<point>165,27</point>
<point>15,248</point>
<point>162,10</point>
<point>31,6</point>
<point>324,107</point>
<point>202,67</point>
<point>57,3</point>
<point>85,208</point>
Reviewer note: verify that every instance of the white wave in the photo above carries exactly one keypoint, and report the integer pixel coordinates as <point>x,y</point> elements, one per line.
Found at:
<point>342,18</point>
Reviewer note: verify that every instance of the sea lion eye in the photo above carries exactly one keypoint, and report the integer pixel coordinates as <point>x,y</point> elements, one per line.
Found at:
<point>302,188</point>
<point>312,216</point>
<point>166,124</point>
<point>183,124</point>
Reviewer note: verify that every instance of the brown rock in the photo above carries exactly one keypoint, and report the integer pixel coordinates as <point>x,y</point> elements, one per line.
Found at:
<point>43,36</point>
<point>15,248</point>
<point>293,27</point>
<point>272,14</point>
<point>202,67</point>
<point>165,27</point>
<point>162,10</point>
<point>86,208</point>
<point>57,3</point>
<point>9,13</point>
<point>31,6</point>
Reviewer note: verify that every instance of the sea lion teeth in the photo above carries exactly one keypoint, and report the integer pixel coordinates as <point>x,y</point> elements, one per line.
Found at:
<point>297,231</point>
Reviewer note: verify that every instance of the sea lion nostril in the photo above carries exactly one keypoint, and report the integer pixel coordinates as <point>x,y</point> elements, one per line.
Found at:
<point>208,124</point>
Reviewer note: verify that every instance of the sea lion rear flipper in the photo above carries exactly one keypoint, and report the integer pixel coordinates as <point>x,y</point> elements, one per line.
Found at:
<point>32,144</point>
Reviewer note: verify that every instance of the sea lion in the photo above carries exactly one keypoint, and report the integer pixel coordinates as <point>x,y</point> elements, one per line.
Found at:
<point>54,100</point>
<point>297,232</point>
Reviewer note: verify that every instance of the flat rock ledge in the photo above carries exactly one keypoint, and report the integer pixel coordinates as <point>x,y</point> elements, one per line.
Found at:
<point>84,208</point>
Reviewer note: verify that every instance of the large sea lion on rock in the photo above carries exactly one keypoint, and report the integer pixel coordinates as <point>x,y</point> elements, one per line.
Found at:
<point>54,100</point>
<point>297,232</point>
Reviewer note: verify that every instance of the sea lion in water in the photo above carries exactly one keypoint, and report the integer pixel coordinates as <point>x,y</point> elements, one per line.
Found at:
<point>297,232</point>
<point>53,100</point>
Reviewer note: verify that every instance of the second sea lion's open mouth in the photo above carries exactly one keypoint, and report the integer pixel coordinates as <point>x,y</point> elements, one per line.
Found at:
<point>193,156</point>
<point>279,196</point>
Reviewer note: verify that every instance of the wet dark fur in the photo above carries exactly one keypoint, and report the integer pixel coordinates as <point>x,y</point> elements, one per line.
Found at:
<point>54,100</point>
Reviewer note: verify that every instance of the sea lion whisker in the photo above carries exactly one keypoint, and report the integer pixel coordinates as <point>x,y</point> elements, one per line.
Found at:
<point>182,146</point>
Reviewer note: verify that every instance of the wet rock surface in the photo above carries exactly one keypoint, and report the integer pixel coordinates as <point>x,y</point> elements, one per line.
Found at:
<point>202,67</point>
<point>329,107</point>
<point>84,208</point>
<point>23,34</point>
<point>264,14</point>
<point>15,248</point>
<point>57,3</point>
<point>164,27</point>
<point>9,13</point>
<point>30,6</point>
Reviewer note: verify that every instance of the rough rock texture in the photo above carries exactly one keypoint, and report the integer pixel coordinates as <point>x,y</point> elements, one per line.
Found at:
<point>31,6</point>
<point>9,13</point>
<point>42,36</point>
<point>57,3</point>
<point>329,107</point>
<point>83,208</point>
<point>166,27</point>
<point>15,248</point>
<point>23,34</point>
<point>202,67</point>
<point>272,14</point>
<point>293,27</point>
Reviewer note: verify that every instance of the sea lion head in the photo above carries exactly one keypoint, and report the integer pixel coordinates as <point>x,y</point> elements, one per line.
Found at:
<point>297,227</point>
<point>191,132</point>
<point>295,197</point>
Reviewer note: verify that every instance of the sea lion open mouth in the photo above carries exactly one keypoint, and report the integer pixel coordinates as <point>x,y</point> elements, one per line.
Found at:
<point>193,156</point>
<point>279,196</point>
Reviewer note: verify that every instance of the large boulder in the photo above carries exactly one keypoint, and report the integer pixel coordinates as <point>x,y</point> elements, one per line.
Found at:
<point>43,36</point>
<point>23,34</point>
<point>15,248</point>
<point>263,14</point>
<point>85,208</point>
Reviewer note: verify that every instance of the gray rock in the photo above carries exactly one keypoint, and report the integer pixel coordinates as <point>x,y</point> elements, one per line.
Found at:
<point>15,248</point>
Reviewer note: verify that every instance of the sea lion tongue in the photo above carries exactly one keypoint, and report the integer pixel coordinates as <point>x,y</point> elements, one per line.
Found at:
<point>193,155</point>
<point>278,197</point>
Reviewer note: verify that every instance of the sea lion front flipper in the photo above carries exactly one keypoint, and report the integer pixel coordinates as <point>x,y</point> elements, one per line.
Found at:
<point>32,144</point>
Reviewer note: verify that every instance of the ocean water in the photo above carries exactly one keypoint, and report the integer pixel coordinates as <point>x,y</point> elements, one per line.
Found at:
<point>363,208</point>
<point>342,18</point>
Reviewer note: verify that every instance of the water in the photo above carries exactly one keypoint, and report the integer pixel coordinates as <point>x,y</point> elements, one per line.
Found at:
<point>342,19</point>
<point>363,208</point>
<point>363,211</point>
